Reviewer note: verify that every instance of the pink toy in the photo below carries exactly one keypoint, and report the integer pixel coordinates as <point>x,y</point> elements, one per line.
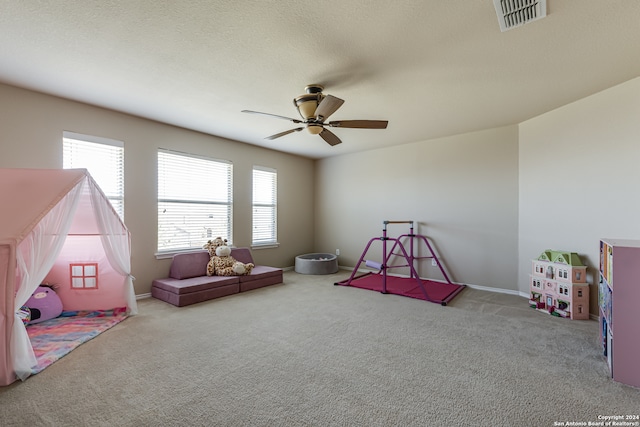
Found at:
<point>428,290</point>
<point>558,285</point>
<point>61,229</point>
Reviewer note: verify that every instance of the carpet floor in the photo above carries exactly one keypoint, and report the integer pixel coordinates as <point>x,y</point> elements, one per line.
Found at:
<point>308,353</point>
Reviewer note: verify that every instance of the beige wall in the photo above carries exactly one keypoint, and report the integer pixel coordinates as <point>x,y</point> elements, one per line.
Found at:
<point>493,200</point>
<point>489,200</point>
<point>31,126</point>
<point>579,176</point>
<point>462,190</point>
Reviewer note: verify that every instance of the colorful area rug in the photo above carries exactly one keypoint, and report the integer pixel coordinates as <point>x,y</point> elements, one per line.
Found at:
<point>438,292</point>
<point>54,338</point>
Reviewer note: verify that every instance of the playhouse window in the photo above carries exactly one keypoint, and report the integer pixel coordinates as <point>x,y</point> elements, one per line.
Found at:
<point>84,276</point>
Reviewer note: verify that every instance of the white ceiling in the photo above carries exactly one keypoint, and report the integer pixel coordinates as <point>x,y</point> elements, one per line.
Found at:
<point>432,68</point>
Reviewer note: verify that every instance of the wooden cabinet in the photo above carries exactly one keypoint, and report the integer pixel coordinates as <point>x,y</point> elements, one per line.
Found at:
<point>619,303</point>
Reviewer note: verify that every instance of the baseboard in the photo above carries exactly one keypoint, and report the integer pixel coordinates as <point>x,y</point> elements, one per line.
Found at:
<point>143,296</point>
<point>498,290</point>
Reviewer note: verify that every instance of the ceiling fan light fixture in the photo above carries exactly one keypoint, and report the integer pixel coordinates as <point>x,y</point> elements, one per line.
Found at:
<point>307,104</point>
<point>314,129</point>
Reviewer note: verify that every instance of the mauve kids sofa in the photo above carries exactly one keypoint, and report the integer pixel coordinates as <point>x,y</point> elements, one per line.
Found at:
<point>188,282</point>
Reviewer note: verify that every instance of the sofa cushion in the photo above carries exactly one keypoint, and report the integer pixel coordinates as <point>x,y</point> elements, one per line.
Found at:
<point>188,265</point>
<point>180,300</point>
<point>193,284</point>
<point>242,255</point>
<point>261,271</point>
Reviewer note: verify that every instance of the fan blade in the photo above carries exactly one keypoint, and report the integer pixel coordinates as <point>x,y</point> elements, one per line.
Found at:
<point>328,106</point>
<point>330,137</point>
<point>286,132</point>
<point>359,124</point>
<point>273,115</point>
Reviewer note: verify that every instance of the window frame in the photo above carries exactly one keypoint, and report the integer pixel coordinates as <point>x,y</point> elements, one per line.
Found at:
<point>116,198</point>
<point>84,277</point>
<point>272,240</point>
<point>167,197</point>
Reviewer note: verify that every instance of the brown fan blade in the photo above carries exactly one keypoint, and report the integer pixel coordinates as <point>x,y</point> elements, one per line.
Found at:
<point>273,115</point>
<point>330,137</point>
<point>359,124</point>
<point>327,107</point>
<point>286,132</point>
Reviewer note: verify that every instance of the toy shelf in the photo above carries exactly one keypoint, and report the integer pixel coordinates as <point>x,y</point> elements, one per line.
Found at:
<point>619,308</point>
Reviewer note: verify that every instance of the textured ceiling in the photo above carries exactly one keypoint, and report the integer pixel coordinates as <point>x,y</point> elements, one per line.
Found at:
<point>432,68</point>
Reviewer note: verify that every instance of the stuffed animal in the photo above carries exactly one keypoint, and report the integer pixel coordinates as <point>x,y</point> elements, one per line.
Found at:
<point>222,263</point>
<point>44,304</point>
<point>211,247</point>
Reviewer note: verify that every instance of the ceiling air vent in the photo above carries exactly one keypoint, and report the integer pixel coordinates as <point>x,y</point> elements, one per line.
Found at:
<point>513,13</point>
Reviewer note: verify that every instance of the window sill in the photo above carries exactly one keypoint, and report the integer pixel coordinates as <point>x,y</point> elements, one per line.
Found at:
<point>170,254</point>
<point>266,246</point>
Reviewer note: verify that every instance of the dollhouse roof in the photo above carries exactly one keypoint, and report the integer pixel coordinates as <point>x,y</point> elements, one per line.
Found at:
<point>561,257</point>
<point>545,256</point>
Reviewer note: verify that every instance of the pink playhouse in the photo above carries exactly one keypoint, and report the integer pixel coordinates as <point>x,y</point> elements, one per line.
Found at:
<point>58,227</point>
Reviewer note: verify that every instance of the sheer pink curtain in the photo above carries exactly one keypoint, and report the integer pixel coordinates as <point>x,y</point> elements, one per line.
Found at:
<point>35,256</point>
<point>116,242</point>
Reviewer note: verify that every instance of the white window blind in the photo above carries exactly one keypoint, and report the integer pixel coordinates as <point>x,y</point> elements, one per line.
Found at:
<point>265,206</point>
<point>195,201</point>
<point>103,158</point>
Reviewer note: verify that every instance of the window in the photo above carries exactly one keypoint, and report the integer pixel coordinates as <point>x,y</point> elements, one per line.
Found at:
<point>194,201</point>
<point>265,206</point>
<point>84,276</point>
<point>103,158</point>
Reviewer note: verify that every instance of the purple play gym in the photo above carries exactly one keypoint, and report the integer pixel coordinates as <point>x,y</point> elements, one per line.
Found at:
<point>413,286</point>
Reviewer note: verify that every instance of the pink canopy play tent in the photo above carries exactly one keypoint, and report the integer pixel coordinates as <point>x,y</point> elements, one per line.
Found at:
<point>51,222</point>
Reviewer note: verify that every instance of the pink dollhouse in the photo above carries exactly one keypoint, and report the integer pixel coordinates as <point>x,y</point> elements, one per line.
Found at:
<point>558,285</point>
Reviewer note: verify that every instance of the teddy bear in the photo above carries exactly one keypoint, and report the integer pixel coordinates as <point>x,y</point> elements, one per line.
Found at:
<point>221,262</point>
